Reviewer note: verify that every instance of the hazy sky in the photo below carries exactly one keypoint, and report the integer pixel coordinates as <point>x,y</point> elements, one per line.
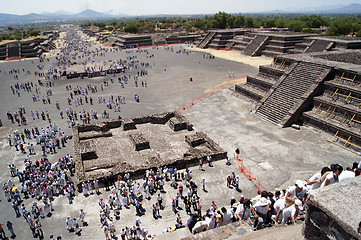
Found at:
<point>143,7</point>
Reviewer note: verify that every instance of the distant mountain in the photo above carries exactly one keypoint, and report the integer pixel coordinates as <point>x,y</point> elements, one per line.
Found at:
<point>329,9</point>
<point>89,14</point>
<point>57,14</point>
<point>349,9</point>
<point>115,13</point>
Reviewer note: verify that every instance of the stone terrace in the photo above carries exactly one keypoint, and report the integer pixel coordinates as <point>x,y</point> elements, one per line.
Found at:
<point>134,145</point>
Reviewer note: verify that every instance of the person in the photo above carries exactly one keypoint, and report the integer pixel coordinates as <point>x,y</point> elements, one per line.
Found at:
<point>204,184</point>
<point>315,181</point>
<point>191,222</point>
<point>209,160</point>
<point>333,177</point>
<point>106,232</point>
<point>243,211</point>
<point>279,206</point>
<point>297,191</point>
<point>69,224</point>
<point>2,232</point>
<point>259,211</point>
<point>290,213</point>
<point>349,173</point>
<point>82,215</point>
<point>200,164</point>
<point>227,215</point>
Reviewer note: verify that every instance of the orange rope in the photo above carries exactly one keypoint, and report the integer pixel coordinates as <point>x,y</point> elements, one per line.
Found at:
<point>247,173</point>
<point>207,94</point>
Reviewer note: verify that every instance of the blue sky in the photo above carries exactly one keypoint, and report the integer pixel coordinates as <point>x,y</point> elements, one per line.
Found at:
<point>143,7</point>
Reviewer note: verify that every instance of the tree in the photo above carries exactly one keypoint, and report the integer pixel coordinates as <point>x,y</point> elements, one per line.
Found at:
<point>10,28</point>
<point>358,34</point>
<point>296,25</point>
<point>248,22</point>
<point>280,23</point>
<point>340,27</point>
<point>239,21</point>
<point>356,27</point>
<point>131,28</point>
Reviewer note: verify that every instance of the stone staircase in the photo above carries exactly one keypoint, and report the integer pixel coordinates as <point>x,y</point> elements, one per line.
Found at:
<point>255,45</point>
<point>338,110</point>
<point>206,40</point>
<point>230,44</point>
<point>241,42</point>
<point>319,45</point>
<point>257,86</point>
<point>289,96</point>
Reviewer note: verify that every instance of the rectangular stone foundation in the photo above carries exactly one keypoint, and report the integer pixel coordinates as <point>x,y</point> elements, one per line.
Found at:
<point>138,144</point>
<point>139,141</point>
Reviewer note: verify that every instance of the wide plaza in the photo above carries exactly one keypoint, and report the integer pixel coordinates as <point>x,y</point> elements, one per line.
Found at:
<point>277,157</point>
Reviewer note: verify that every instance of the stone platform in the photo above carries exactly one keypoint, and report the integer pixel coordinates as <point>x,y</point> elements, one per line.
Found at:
<point>137,144</point>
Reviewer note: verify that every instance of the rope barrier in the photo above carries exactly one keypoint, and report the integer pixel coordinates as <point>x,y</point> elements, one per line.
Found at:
<point>207,94</point>
<point>248,174</point>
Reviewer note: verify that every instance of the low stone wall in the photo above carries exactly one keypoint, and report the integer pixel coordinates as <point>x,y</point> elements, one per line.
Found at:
<point>333,212</point>
<point>139,141</point>
<point>109,148</point>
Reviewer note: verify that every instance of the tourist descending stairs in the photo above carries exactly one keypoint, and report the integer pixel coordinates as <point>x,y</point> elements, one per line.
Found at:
<point>287,99</point>
<point>206,40</point>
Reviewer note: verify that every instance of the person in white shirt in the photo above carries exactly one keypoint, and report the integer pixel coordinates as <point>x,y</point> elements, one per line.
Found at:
<point>296,192</point>
<point>315,180</point>
<point>260,212</point>
<point>333,177</point>
<point>244,210</point>
<point>290,213</point>
<point>227,215</point>
<point>346,175</point>
<point>278,209</point>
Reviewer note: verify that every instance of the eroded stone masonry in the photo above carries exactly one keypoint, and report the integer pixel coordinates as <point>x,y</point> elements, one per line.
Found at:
<point>137,144</point>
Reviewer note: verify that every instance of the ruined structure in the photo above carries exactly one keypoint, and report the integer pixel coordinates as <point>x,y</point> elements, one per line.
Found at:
<point>137,144</point>
<point>319,88</point>
<point>122,40</point>
<point>31,48</point>
<point>332,212</point>
<point>273,43</point>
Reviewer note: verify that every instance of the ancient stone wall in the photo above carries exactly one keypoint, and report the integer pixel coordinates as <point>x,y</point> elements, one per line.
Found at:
<point>137,144</point>
<point>333,212</point>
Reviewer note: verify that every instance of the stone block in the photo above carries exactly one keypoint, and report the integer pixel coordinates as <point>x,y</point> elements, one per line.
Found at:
<point>333,211</point>
<point>128,124</point>
<point>139,141</point>
<point>195,139</point>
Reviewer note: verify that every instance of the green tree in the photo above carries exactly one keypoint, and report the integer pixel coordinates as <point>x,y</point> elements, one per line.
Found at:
<point>296,25</point>
<point>356,27</point>
<point>340,27</point>
<point>248,22</point>
<point>10,28</point>
<point>239,21</point>
<point>131,28</point>
<point>280,23</point>
<point>358,34</point>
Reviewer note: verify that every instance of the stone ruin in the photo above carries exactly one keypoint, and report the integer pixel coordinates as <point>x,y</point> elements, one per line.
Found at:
<point>333,212</point>
<point>137,144</point>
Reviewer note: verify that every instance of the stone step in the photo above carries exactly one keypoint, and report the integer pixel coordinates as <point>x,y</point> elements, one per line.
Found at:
<point>268,70</point>
<point>290,90</point>
<point>250,91</point>
<point>260,81</point>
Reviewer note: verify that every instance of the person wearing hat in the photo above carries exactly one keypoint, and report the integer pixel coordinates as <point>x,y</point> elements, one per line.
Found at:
<point>296,192</point>
<point>260,212</point>
<point>291,212</point>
